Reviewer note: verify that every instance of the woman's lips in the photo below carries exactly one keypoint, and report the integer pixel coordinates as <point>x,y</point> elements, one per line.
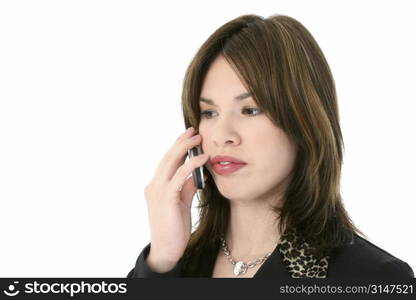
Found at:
<point>226,169</point>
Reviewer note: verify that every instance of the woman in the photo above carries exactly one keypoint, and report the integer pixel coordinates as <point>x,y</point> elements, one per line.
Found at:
<point>262,97</point>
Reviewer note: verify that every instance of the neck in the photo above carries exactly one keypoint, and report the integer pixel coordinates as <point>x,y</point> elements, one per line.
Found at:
<point>253,230</point>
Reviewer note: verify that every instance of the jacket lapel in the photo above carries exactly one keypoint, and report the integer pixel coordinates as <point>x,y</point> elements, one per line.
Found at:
<point>273,267</point>
<point>298,258</point>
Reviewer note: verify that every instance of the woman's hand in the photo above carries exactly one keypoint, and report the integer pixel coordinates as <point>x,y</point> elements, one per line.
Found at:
<point>169,208</point>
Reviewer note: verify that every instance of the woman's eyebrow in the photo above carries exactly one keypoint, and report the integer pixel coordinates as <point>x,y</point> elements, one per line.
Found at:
<point>236,98</point>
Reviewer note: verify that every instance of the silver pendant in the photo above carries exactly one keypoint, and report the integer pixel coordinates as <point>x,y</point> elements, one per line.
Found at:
<point>240,268</point>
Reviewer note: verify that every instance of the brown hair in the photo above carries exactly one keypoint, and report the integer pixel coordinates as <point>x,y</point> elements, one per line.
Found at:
<point>281,64</point>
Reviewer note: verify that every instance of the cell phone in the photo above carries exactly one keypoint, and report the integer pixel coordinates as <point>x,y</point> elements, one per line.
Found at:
<point>197,173</point>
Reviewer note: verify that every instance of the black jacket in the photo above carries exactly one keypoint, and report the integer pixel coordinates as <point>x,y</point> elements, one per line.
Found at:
<point>359,259</point>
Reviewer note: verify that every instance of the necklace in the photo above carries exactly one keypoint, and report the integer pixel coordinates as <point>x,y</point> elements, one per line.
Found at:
<point>241,267</point>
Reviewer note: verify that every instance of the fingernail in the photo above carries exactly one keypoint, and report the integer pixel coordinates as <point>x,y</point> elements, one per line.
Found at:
<point>195,137</point>
<point>190,129</point>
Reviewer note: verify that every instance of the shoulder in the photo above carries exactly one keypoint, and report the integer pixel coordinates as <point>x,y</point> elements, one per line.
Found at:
<point>361,258</point>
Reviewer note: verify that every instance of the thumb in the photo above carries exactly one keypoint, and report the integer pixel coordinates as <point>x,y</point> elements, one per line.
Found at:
<point>188,191</point>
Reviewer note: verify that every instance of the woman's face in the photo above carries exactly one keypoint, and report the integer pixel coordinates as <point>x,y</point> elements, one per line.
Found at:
<point>238,128</point>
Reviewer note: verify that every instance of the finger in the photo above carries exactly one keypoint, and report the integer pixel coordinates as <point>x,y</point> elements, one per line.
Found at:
<point>185,170</point>
<point>160,170</point>
<point>188,191</point>
<point>176,158</point>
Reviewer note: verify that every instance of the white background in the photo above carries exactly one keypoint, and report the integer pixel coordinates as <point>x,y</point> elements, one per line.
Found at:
<point>90,102</point>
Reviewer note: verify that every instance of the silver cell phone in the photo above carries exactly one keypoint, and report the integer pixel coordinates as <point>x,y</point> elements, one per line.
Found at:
<point>197,173</point>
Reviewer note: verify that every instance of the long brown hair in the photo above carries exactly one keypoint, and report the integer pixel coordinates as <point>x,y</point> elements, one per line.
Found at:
<point>281,64</point>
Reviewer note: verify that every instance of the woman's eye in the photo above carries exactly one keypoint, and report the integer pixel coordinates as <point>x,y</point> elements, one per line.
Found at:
<point>251,109</point>
<point>206,113</point>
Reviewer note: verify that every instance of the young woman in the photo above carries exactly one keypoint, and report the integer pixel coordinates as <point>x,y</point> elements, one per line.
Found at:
<point>261,96</point>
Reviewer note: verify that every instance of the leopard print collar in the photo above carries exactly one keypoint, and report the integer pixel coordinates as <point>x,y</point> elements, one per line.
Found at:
<point>299,259</point>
